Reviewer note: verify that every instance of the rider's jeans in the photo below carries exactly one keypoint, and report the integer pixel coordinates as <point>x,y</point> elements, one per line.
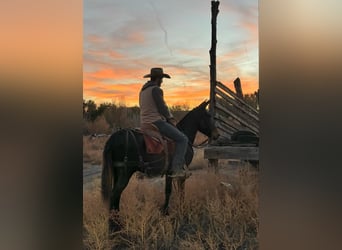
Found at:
<point>181,140</point>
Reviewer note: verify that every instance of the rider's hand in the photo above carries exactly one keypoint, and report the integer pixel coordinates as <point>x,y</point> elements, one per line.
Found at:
<point>172,121</point>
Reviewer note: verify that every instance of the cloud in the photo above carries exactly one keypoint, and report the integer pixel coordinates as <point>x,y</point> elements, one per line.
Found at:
<point>187,95</point>
<point>124,39</point>
<point>96,39</point>
<point>124,93</point>
<point>245,9</point>
<point>244,17</point>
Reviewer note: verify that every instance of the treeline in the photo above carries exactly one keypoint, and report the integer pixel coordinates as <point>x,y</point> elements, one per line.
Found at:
<point>252,99</point>
<point>108,117</point>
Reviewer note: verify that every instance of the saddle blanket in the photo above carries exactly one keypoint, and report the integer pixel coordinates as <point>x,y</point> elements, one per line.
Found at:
<point>155,146</point>
<point>156,143</point>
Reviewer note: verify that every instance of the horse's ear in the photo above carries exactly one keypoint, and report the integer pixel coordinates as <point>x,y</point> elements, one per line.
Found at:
<point>204,104</point>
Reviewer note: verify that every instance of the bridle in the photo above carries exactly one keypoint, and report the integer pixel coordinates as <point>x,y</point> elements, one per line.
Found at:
<point>202,144</point>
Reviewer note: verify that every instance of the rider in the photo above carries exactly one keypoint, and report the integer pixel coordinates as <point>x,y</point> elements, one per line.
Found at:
<point>153,110</point>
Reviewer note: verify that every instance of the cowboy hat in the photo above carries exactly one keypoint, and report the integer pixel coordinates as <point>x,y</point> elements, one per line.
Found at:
<point>157,72</point>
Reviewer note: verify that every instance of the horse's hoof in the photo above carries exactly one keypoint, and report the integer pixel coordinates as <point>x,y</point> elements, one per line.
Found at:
<point>165,211</point>
<point>114,225</point>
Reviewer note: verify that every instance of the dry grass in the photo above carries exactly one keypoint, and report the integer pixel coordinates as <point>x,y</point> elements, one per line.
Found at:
<point>94,221</point>
<point>92,149</point>
<point>212,216</point>
<point>98,126</point>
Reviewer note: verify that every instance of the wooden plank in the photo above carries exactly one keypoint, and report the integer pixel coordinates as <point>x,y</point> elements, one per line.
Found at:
<point>224,137</point>
<point>225,128</point>
<point>238,88</point>
<point>230,92</point>
<point>233,95</point>
<point>243,120</point>
<point>244,109</point>
<point>230,124</point>
<point>243,116</point>
<point>233,112</point>
<point>253,128</point>
<point>231,152</point>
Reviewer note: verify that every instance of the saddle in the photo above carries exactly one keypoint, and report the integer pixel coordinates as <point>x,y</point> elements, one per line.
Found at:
<point>155,142</point>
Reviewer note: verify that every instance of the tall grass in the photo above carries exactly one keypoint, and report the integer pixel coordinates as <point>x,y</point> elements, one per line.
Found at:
<point>211,217</point>
<point>92,149</point>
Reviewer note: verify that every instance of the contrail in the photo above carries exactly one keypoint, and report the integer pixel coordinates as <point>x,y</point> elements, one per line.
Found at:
<point>161,26</point>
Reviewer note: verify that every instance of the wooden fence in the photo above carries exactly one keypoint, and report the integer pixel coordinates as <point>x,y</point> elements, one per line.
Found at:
<point>228,111</point>
<point>232,113</point>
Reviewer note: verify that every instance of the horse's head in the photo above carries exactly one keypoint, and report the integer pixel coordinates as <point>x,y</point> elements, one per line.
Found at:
<point>205,123</point>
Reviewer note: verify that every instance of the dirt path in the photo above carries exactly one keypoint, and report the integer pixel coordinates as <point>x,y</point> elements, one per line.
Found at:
<point>90,174</point>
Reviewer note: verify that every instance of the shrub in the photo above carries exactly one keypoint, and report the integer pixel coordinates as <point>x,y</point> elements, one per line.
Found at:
<point>99,126</point>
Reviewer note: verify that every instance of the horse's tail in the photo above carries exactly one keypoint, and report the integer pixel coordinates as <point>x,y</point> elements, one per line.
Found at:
<point>107,175</point>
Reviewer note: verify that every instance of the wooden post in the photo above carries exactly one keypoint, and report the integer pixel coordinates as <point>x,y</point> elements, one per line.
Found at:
<point>256,93</point>
<point>212,52</point>
<point>238,88</point>
<point>213,163</point>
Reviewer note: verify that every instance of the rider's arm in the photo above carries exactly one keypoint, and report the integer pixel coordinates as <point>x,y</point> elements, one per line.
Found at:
<point>158,98</point>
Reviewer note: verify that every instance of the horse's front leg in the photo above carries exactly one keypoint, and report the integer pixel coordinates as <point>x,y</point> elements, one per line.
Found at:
<point>181,193</point>
<point>168,190</point>
<point>181,189</point>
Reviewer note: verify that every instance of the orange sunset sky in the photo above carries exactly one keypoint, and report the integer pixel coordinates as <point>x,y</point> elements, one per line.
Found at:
<point>124,39</point>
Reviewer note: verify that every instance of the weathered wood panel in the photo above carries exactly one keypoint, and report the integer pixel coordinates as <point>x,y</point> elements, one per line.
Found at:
<point>231,152</point>
<point>238,88</point>
<point>226,128</point>
<point>228,110</point>
<point>239,100</point>
<point>253,128</point>
<point>233,125</point>
<point>224,107</point>
<point>241,108</point>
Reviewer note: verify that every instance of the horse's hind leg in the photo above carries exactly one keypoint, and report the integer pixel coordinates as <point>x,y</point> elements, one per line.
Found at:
<point>168,190</point>
<point>119,185</point>
<point>181,191</point>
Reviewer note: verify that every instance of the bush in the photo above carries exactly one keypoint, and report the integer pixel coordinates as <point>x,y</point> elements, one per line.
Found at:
<point>99,126</point>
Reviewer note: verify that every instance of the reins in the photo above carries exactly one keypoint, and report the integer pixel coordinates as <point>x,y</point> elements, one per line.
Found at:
<point>202,144</point>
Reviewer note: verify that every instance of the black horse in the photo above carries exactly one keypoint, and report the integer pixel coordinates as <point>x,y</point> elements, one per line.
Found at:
<point>125,153</point>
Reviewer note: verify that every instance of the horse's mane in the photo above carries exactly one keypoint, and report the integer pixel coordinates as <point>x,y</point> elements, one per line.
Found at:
<point>190,113</point>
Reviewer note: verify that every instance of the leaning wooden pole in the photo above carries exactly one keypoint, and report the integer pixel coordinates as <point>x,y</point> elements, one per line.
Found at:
<point>212,52</point>
<point>238,88</point>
